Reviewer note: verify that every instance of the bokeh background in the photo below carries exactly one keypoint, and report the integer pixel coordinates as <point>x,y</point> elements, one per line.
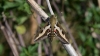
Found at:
<point>81,16</point>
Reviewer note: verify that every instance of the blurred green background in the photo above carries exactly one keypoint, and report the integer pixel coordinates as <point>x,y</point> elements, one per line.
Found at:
<point>82,17</point>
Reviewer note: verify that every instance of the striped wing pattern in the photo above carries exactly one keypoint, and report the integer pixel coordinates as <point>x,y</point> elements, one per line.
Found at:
<point>58,31</point>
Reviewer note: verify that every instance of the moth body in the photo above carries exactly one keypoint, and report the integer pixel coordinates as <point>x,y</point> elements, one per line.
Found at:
<point>53,29</point>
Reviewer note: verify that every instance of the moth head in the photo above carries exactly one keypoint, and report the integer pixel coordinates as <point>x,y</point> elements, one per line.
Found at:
<point>53,20</point>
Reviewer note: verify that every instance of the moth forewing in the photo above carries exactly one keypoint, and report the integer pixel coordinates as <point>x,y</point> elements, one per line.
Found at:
<point>60,33</point>
<point>42,33</point>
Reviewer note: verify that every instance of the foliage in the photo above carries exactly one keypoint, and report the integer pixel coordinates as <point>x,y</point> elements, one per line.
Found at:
<point>83,18</point>
<point>87,22</point>
<point>1,48</point>
<point>30,51</point>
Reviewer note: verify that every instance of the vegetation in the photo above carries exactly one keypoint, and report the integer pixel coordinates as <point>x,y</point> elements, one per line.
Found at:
<point>82,17</point>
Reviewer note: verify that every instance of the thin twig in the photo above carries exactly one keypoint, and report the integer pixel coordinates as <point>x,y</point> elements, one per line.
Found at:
<point>70,50</point>
<point>36,7</point>
<point>40,49</point>
<point>39,22</point>
<point>50,48</point>
<point>55,6</point>
<point>51,11</point>
<point>45,48</point>
<point>12,43</point>
<point>9,39</point>
<point>21,40</point>
<point>38,17</point>
<point>71,36</point>
<point>69,32</point>
<point>10,32</point>
<point>99,3</point>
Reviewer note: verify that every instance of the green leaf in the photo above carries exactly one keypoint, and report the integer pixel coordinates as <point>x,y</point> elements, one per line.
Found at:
<point>26,8</point>
<point>34,54</point>
<point>96,51</point>
<point>90,42</point>
<point>97,31</point>
<point>82,36</point>
<point>1,48</point>
<point>10,5</point>
<point>88,17</point>
<point>21,20</point>
<point>96,25</point>
<point>32,49</point>
<point>83,51</point>
<point>97,18</point>
<point>23,54</point>
<point>19,1</point>
<point>20,29</point>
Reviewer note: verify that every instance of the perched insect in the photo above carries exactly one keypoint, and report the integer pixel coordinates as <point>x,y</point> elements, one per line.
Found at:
<point>51,30</point>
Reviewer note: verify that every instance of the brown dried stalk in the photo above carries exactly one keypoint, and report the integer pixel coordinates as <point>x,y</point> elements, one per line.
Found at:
<point>10,31</point>
<point>9,38</point>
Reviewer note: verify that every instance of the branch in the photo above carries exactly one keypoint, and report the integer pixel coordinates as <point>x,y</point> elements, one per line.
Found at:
<point>71,36</point>
<point>39,22</point>
<point>9,40</point>
<point>36,7</point>
<point>21,40</point>
<point>10,31</point>
<point>47,47</point>
<point>40,49</point>
<point>66,25</point>
<point>38,17</point>
<point>51,11</point>
<point>99,3</point>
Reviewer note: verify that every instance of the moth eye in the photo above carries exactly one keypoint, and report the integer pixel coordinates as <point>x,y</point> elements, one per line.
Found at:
<point>50,26</point>
<point>62,32</point>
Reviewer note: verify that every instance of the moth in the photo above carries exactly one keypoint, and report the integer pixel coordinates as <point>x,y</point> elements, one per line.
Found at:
<point>52,29</point>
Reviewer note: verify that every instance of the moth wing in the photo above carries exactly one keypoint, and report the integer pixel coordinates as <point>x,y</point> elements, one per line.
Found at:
<point>61,34</point>
<point>42,34</point>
